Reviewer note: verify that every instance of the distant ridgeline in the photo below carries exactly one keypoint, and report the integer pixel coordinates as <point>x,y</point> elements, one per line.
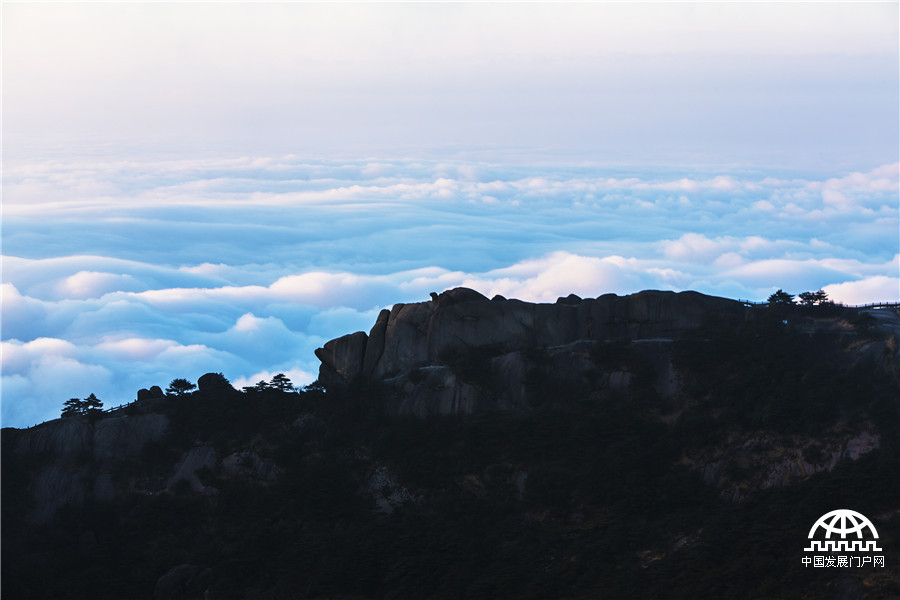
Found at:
<point>656,445</point>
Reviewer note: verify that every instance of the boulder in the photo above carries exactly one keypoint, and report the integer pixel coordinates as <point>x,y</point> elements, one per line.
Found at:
<point>213,382</point>
<point>342,359</point>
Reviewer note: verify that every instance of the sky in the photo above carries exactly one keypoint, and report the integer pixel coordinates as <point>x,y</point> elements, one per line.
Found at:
<point>223,187</point>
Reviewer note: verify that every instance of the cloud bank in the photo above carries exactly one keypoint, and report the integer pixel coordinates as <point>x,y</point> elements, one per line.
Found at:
<point>120,275</point>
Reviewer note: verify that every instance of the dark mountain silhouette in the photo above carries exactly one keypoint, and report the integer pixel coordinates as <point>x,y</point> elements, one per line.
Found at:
<point>656,445</point>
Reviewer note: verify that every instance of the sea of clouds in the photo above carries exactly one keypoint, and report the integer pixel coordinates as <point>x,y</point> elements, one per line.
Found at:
<point>119,275</point>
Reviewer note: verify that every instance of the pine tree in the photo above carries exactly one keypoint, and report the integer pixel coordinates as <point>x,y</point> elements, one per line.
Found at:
<point>781,298</point>
<point>281,383</point>
<point>71,408</point>
<point>814,298</point>
<point>180,387</point>
<point>91,407</point>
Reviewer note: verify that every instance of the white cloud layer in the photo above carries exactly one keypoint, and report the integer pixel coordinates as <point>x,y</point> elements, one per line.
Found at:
<point>123,275</point>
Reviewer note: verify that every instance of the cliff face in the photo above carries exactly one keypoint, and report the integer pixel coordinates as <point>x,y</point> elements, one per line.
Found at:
<point>80,458</point>
<point>417,350</point>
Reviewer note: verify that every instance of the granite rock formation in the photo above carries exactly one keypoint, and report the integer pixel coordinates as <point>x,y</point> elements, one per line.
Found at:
<point>460,352</point>
<point>80,457</point>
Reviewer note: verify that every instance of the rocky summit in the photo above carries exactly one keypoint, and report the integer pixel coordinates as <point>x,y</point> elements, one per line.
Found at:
<point>461,352</point>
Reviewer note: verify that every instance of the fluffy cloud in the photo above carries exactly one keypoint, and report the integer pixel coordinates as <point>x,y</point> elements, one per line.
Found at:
<point>45,368</point>
<point>152,271</point>
<point>868,290</point>
<point>559,274</point>
<point>297,377</point>
<point>91,284</point>
<point>124,341</point>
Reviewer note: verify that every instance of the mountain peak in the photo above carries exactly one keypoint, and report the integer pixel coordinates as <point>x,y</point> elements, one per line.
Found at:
<point>413,347</point>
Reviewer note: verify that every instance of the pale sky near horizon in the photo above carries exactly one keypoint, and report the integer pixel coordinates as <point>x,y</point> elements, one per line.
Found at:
<point>661,82</point>
<point>194,187</point>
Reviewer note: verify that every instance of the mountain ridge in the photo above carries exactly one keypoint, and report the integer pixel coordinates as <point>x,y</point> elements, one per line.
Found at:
<point>495,448</point>
<point>416,349</point>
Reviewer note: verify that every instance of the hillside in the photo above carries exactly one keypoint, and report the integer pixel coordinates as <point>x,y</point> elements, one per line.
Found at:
<point>657,445</point>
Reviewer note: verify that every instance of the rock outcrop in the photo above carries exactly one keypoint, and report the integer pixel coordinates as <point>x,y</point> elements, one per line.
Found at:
<point>63,438</point>
<point>81,456</point>
<point>117,438</point>
<point>214,382</point>
<point>460,351</point>
<point>106,441</point>
<point>763,460</point>
<point>201,457</point>
<point>153,393</point>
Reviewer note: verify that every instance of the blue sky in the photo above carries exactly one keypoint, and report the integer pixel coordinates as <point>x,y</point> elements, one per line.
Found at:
<point>224,187</point>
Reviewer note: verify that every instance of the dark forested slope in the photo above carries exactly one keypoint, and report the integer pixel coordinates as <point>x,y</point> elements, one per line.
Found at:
<point>637,448</point>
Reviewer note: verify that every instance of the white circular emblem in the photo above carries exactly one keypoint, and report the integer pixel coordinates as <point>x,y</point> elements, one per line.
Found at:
<point>843,522</point>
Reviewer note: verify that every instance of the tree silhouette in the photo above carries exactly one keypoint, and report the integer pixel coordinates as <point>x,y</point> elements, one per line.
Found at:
<point>91,407</point>
<point>92,403</point>
<point>281,383</point>
<point>813,298</point>
<point>180,387</point>
<point>71,408</point>
<point>781,298</point>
